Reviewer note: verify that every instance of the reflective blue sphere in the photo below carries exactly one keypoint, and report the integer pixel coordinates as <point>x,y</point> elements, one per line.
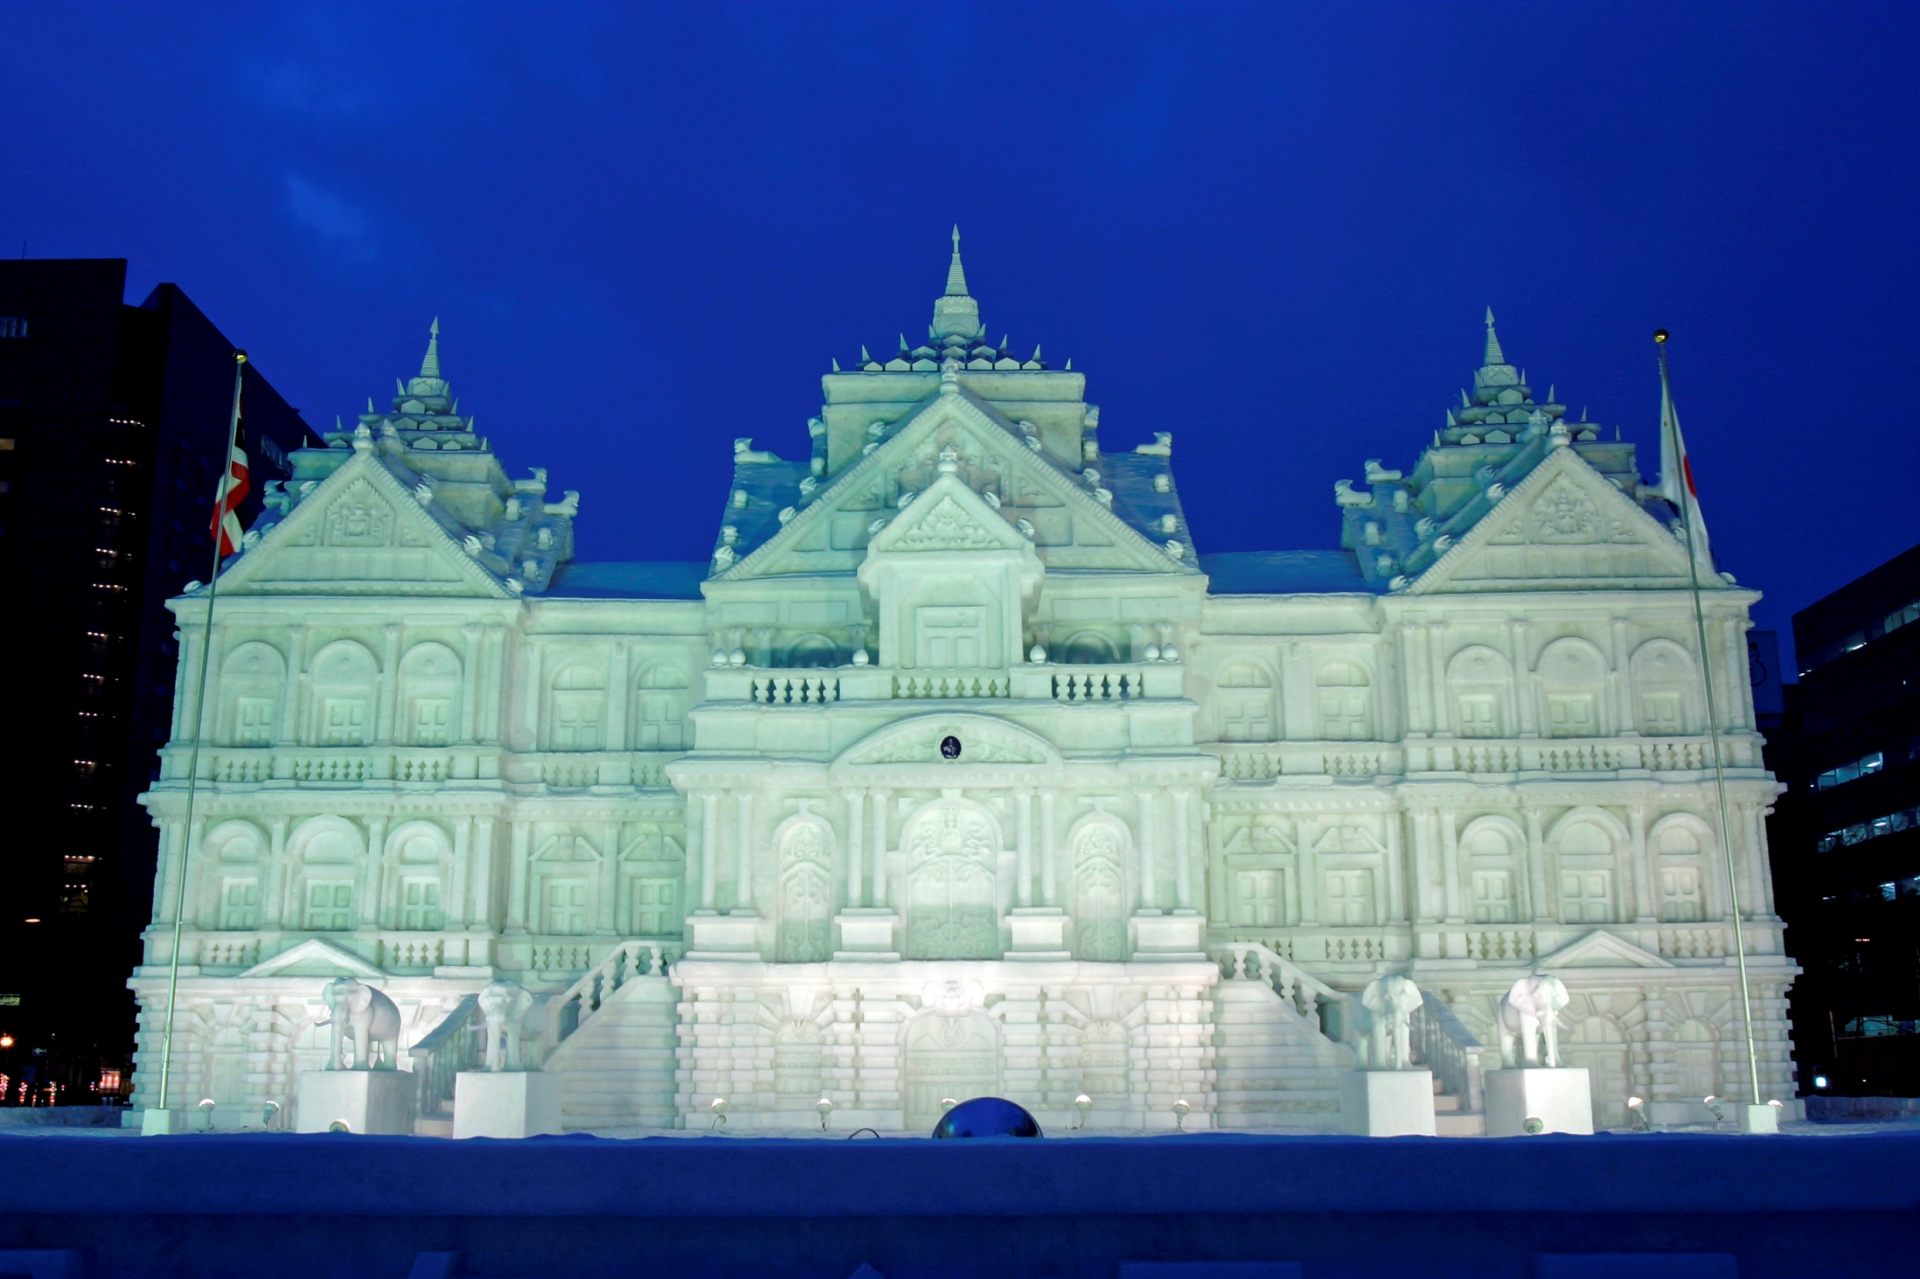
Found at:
<point>987,1117</point>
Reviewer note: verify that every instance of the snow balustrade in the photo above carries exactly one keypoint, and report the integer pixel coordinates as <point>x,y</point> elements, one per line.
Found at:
<point>457,1042</point>
<point>1440,1040</point>
<point>1093,683</point>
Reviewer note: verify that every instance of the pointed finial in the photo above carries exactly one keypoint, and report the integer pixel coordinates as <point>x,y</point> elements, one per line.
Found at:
<point>1494,354</point>
<point>956,274</point>
<point>836,364</point>
<point>430,366</point>
<point>864,357</point>
<point>903,344</point>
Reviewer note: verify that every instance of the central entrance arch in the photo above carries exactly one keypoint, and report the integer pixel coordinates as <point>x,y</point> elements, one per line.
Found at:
<point>952,851</point>
<point>948,1056</point>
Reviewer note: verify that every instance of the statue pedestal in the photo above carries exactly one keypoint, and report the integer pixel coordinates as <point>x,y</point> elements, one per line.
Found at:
<point>711,936</point>
<point>505,1103</point>
<point>1175,936</point>
<point>1387,1103</point>
<point>1037,932</point>
<point>366,1101</point>
<point>866,932</point>
<point>1560,1097</point>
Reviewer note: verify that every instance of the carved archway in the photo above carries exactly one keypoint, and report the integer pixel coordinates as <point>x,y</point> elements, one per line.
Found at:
<point>948,1056</point>
<point>1099,848</point>
<point>804,918</point>
<point>952,850</point>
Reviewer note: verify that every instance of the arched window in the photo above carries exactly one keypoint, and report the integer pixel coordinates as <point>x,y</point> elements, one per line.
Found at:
<point>1243,703</point>
<point>1573,687</point>
<point>660,702</point>
<point>812,652</point>
<point>1666,690</point>
<point>421,860</point>
<point>343,677</point>
<point>1479,686</point>
<point>577,708</point>
<point>1088,648</point>
<point>1679,845</point>
<point>1491,860</point>
<point>804,922</point>
<point>1343,702</point>
<point>251,679</point>
<point>237,852</point>
<point>1584,850</point>
<point>429,691</point>
<point>325,854</point>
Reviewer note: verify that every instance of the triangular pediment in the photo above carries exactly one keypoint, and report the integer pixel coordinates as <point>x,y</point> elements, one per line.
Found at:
<point>314,958</point>
<point>360,532</point>
<point>1064,516</point>
<point>1565,526</point>
<point>1601,949</point>
<point>949,517</point>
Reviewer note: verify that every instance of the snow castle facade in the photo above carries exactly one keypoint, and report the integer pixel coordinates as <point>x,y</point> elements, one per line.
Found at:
<point>956,771</point>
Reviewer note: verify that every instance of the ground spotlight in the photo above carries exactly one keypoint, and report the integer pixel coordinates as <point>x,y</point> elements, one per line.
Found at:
<point>719,1108</point>
<point>1081,1105</point>
<point>825,1107</point>
<point>1180,1112</point>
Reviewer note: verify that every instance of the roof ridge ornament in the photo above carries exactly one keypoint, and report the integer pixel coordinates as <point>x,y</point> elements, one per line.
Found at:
<point>1494,355</point>
<point>956,273</point>
<point>430,363</point>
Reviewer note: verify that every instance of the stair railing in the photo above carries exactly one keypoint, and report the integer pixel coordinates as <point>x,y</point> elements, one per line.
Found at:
<point>1455,1055</point>
<point>574,1007</point>
<point>456,1044</point>
<point>1320,1004</point>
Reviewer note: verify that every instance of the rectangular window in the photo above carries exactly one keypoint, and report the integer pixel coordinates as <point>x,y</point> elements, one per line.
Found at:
<point>253,721</point>
<point>343,721</point>
<point>329,905</point>
<point>1851,771</point>
<point>1478,715</point>
<point>1586,897</point>
<point>1343,714</point>
<point>1261,899</point>
<point>576,720</point>
<point>1680,896</point>
<point>566,911</point>
<point>1492,897</point>
<point>13,327</point>
<point>1661,711</point>
<point>654,909</point>
<point>1349,897</point>
<point>420,905</point>
<point>1571,715</point>
<point>240,904</point>
<point>432,721</point>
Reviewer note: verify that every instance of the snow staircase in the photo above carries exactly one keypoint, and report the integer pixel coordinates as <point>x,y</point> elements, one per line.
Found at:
<point>615,1038</point>
<point>1274,1064</point>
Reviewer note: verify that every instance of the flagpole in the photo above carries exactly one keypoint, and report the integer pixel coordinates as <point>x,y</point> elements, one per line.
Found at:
<point>1670,426</point>
<point>193,754</point>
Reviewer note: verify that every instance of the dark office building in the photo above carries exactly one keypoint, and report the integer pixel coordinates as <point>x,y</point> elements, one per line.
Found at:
<point>1846,836</point>
<point>113,422</point>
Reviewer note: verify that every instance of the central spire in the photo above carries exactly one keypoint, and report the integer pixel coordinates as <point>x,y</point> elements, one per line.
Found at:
<point>1494,354</point>
<point>430,365</point>
<point>956,313</point>
<point>956,274</point>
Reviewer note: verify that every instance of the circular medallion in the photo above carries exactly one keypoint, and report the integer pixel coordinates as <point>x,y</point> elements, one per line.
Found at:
<point>950,748</point>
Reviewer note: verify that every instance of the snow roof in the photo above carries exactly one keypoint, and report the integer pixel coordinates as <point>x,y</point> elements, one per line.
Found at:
<point>629,579</point>
<point>1284,573</point>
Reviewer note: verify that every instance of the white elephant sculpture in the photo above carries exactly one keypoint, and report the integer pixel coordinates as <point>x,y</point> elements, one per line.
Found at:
<point>356,1010</point>
<point>1529,1021</point>
<point>503,1007</point>
<point>1389,1004</point>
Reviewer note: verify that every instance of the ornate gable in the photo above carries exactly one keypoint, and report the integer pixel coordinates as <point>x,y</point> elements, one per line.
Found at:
<point>1565,525</point>
<point>1067,517</point>
<point>361,532</point>
<point>949,517</point>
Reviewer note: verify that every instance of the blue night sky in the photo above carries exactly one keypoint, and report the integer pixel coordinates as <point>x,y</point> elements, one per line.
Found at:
<point>1270,229</point>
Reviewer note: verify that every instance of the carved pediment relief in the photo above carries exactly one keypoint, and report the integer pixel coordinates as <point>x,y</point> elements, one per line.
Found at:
<point>980,739</point>
<point>1565,523</point>
<point>314,958</point>
<point>1601,949</point>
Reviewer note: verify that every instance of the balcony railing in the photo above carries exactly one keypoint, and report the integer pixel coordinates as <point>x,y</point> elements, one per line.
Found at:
<point>1105,684</point>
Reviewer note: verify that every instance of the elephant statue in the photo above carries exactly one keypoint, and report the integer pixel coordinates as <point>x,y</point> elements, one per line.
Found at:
<point>1389,1004</point>
<point>1529,1021</point>
<point>357,1010</point>
<point>503,1007</point>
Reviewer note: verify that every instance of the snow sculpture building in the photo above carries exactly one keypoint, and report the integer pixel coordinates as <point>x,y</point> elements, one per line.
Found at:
<point>956,771</point>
